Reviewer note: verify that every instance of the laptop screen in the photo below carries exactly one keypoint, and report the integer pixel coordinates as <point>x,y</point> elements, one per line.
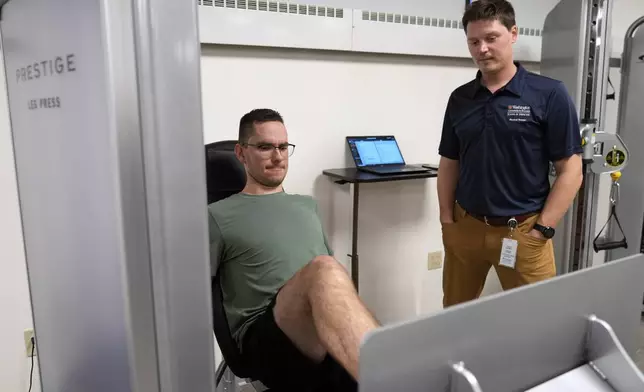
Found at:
<point>375,150</point>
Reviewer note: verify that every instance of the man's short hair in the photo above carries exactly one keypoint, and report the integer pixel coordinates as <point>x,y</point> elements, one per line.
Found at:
<point>500,10</point>
<point>257,116</point>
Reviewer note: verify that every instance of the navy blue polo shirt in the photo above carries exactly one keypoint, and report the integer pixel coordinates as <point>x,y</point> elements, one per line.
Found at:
<point>505,141</point>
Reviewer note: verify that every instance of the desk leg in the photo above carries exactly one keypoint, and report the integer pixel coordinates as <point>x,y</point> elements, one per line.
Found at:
<point>355,263</point>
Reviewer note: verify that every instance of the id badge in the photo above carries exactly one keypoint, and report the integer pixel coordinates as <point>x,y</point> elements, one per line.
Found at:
<point>509,253</point>
<point>509,247</point>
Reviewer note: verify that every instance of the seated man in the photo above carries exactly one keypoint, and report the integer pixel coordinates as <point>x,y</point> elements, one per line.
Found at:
<point>292,308</point>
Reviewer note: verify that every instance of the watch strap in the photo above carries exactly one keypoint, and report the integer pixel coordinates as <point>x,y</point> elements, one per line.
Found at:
<point>542,229</point>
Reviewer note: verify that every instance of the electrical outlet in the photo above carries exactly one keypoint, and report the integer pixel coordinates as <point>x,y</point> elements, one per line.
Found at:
<point>29,346</point>
<point>434,260</point>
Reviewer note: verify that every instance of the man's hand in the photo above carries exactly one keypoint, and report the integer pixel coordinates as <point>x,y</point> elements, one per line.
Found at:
<point>536,234</point>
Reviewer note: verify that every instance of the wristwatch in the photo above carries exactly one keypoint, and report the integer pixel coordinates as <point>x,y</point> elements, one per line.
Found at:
<point>546,231</point>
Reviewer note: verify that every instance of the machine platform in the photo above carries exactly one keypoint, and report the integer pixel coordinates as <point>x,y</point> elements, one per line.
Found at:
<point>576,329</point>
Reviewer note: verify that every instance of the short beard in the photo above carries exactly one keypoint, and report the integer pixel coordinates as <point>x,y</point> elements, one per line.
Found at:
<point>267,183</point>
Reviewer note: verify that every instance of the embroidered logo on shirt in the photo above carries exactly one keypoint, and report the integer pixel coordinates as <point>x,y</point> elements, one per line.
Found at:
<point>519,113</point>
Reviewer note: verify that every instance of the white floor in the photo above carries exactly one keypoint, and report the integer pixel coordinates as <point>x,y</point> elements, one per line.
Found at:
<point>583,379</point>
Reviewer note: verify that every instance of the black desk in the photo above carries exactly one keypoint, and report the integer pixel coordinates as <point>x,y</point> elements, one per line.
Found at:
<point>356,177</point>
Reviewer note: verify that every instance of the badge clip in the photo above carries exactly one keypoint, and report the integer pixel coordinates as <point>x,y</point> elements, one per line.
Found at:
<point>512,224</point>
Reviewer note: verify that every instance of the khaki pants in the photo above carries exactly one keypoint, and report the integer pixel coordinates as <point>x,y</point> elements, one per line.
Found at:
<point>473,247</point>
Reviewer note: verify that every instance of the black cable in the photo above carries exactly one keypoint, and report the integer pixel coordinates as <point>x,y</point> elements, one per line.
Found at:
<point>611,95</point>
<point>31,373</point>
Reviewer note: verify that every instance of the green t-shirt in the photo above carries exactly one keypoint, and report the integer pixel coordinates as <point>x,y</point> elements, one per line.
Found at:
<point>259,242</point>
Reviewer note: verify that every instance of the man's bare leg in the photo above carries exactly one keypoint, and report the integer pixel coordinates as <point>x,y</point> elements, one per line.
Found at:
<point>320,311</point>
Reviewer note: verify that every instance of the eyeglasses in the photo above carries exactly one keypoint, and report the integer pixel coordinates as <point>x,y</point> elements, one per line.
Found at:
<point>266,149</point>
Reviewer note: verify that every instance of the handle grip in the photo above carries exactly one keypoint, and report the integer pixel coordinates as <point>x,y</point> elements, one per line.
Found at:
<point>609,245</point>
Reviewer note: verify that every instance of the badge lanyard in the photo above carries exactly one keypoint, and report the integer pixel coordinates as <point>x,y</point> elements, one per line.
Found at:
<point>509,247</point>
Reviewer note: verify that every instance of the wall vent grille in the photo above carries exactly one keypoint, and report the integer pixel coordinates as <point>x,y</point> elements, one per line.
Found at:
<point>387,17</point>
<point>276,6</point>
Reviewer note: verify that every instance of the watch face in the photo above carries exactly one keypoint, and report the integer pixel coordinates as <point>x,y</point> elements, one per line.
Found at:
<point>548,232</point>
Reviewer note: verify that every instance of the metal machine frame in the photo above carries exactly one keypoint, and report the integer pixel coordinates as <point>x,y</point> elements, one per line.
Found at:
<point>105,108</point>
<point>575,332</point>
<point>585,74</point>
<point>630,127</point>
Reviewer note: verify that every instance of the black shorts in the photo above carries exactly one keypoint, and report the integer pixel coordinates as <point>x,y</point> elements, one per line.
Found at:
<point>277,363</point>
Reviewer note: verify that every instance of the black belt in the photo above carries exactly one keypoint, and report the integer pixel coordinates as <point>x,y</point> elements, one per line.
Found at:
<point>501,220</point>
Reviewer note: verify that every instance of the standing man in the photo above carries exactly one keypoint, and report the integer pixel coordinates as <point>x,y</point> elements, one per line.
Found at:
<point>500,132</point>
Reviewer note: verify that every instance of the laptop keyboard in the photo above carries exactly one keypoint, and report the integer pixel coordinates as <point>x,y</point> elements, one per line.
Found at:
<point>400,169</point>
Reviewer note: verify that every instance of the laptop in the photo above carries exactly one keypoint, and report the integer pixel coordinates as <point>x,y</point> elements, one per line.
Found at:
<point>380,155</point>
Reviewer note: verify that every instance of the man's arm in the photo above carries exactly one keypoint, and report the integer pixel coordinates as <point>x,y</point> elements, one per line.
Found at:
<point>564,148</point>
<point>448,169</point>
<point>216,244</point>
<point>563,192</point>
<point>447,179</point>
<point>326,240</point>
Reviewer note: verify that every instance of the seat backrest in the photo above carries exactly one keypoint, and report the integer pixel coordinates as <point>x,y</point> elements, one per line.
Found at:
<point>225,177</point>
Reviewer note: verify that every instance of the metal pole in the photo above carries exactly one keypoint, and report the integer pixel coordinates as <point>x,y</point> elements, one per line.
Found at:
<point>596,65</point>
<point>355,267</point>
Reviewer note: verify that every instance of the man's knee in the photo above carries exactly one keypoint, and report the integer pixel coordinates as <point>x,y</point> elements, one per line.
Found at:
<point>325,271</point>
<point>327,266</point>
<point>320,270</point>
